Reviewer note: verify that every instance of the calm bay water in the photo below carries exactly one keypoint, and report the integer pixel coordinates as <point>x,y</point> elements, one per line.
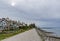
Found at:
<point>56,30</point>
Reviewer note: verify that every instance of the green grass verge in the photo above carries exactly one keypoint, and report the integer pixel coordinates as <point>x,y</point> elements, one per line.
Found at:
<point>7,35</point>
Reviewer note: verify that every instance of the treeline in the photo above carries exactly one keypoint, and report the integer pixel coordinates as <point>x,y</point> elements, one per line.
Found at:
<point>7,24</point>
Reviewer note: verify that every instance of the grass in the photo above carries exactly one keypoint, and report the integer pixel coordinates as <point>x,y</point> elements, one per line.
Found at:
<point>7,35</point>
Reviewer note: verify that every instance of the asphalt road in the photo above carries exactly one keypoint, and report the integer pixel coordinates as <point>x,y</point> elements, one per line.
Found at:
<point>30,35</point>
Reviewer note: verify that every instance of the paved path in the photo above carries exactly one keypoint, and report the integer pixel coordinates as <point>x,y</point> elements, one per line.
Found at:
<point>30,35</point>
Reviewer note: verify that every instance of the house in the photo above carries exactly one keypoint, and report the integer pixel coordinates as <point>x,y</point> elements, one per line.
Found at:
<point>7,24</point>
<point>3,24</point>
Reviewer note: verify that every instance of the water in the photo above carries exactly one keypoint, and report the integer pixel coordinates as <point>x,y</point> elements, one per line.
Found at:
<point>56,30</point>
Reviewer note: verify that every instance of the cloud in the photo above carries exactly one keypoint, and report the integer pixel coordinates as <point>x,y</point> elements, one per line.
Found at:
<point>41,12</point>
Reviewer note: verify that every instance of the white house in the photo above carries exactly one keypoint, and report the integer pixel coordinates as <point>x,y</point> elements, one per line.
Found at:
<point>2,24</point>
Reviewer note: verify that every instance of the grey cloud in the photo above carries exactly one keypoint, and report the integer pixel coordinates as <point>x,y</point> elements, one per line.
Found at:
<point>45,9</point>
<point>46,12</point>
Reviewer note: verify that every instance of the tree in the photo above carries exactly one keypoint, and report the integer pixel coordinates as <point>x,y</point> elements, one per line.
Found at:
<point>32,25</point>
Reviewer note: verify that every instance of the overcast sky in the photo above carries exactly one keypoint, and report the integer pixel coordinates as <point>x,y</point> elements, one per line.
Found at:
<point>45,13</point>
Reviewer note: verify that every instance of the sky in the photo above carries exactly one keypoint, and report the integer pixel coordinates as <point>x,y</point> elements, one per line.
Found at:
<point>44,13</point>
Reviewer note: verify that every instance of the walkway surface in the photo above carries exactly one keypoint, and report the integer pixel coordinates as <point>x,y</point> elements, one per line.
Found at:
<point>30,35</point>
